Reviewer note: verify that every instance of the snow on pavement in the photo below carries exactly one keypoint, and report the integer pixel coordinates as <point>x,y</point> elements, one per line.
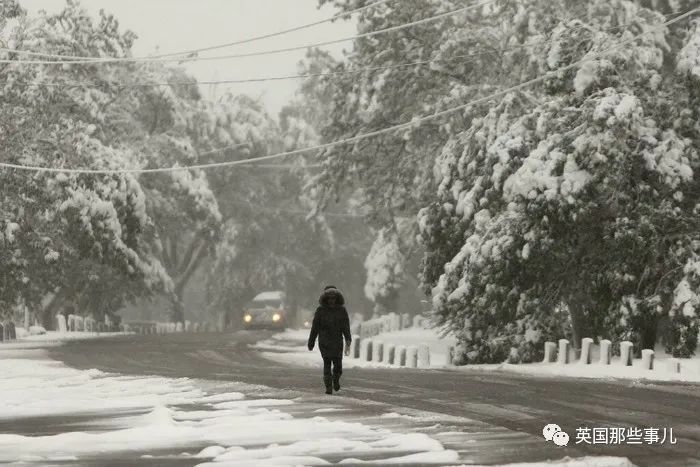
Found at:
<point>290,347</point>
<point>616,370</point>
<point>59,336</point>
<point>139,417</point>
<point>589,461</point>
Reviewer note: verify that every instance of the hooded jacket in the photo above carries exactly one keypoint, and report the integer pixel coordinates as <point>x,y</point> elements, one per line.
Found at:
<point>331,324</point>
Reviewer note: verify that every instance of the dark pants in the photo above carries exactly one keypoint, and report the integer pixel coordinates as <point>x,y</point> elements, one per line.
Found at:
<point>328,376</point>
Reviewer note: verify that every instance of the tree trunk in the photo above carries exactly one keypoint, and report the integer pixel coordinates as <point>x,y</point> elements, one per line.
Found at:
<point>47,315</point>
<point>579,326</point>
<point>648,326</point>
<point>192,259</point>
<point>177,308</point>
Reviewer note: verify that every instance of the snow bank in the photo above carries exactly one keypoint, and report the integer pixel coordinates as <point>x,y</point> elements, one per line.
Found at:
<point>289,340</point>
<point>56,336</point>
<point>414,336</point>
<point>589,461</point>
<point>616,370</point>
<point>137,416</point>
<point>290,347</point>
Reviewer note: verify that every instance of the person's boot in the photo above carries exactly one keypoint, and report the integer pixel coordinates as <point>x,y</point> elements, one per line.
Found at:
<point>328,382</point>
<point>336,382</point>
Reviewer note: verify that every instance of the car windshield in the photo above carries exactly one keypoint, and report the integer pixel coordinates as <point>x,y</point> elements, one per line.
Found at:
<point>266,304</point>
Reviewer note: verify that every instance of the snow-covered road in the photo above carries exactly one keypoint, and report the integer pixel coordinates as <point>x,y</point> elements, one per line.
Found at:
<point>93,416</point>
<point>214,392</point>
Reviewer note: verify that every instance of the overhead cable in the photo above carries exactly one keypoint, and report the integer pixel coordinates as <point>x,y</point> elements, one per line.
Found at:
<point>214,47</point>
<point>191,83</point>
<point>416,121</point>
<point>109,60</point>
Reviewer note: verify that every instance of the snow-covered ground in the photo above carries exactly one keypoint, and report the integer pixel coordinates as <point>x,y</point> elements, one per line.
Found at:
<point>690,370</point>
<point>290,347</point>
<point>603,461</point>
<point>113,416</point>
<point>56,336</point>
<point>55,415</point>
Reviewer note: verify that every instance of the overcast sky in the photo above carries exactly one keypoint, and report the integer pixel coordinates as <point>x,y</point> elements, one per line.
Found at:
<point>174,25</point>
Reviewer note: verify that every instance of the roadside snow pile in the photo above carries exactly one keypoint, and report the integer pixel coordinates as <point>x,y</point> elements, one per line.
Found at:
<point>99,416</point>
<point>415,336</point>
<point>290,340</point>
<point>589,461</point>
<point>616,369</point>
<point>36,330</point>
<point>39,334</point>
<point>290,347</point>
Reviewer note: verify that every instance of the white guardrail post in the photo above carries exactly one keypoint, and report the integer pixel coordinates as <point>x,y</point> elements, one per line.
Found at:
<point>400,357</point>
<point>586,345</point>
<point>61,323</point>
<point>450,355</point>
<point>550,352</point>
<point>563,355</point>
<point>605,352</point>
<point>647,359</point>
<point>366,349</point>
<point>423,356</point>
<point>377,351</point>
<point>673,365</point>
<point>626,353</point>
<point>412,357</point>
<point>390,353</point>
<point>355,346</point>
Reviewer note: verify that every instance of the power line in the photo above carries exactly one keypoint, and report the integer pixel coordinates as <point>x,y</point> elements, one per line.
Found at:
<point>288,77</point>
<point>215,47</point>
<point>283,166</point>
<point>416,121</point>
<point>255,80</point>
<point>307,75</point>
<point>249,54</point>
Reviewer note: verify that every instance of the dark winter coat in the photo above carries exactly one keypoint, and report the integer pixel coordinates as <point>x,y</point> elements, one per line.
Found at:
<point>331,324</point>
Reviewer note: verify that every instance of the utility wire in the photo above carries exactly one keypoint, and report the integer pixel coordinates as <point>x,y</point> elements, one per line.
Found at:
<point>249,54</point>
<point>414,122</point>
<point>255,80</point>
<point>70,84</point>
<point>214,47</point>
<point>314,75</point>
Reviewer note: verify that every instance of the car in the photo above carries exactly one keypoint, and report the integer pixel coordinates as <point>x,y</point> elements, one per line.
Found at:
<point>305,318</point>
<point>267,310</point>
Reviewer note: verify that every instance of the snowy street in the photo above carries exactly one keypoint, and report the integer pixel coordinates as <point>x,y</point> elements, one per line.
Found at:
<point>350,232</point>
<point>195,390</point>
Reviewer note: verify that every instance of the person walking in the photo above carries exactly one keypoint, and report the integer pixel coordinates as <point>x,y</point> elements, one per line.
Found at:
<point>331,324</point>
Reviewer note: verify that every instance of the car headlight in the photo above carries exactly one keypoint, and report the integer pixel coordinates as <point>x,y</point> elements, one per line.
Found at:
<point>247,318</point>
<point>306,324</point>
<point>276,317</point>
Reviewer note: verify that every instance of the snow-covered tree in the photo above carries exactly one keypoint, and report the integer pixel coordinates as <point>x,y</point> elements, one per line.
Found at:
<point>268,241</point>
<point>385,271</point>
<point>67,236</point>
<point>573,204</point>
<point>413,72</point>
